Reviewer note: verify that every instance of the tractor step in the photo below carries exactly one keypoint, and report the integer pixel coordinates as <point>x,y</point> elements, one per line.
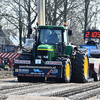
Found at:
<point>91,80</point>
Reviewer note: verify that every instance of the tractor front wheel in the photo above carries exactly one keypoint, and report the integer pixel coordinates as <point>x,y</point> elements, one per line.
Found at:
<point>67,70</point>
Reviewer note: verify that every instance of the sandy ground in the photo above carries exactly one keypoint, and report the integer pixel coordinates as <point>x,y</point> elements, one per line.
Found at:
<point>94,98</point>
<point>22,97</point>
<point>9,74</point>
<point>35,98</point>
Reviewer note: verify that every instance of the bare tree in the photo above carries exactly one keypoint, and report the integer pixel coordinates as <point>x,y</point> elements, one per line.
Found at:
<point>77,14</point>
<point>53,9</point>
<point>24,14</point>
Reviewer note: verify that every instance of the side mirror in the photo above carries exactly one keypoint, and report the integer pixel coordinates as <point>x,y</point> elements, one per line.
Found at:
<point>69,32</point>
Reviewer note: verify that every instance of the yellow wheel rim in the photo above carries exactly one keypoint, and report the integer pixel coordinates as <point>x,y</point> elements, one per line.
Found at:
<point>68,71</point>
<point>86,67</point>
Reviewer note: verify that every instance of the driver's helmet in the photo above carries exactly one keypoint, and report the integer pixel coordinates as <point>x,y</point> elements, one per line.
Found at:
<point>48,33</point>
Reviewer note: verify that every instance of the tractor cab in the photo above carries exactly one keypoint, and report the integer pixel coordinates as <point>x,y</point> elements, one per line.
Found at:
<point>52,42</point>
<point>50,36</point>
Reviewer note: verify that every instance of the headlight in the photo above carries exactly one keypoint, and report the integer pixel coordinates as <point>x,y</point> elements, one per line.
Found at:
<point>45,56</point>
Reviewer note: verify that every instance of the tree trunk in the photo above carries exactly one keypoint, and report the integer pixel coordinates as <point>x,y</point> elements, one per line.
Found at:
<point>65,10</point>
<point>86,13</point>
<point>29,21</point>
<point>55,13</point>
<point>20,27</point>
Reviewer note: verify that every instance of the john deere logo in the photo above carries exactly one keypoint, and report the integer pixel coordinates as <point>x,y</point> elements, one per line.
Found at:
<point>16,70</point>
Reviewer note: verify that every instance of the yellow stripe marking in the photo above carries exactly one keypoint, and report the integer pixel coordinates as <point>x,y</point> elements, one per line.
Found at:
<point>47,49</point>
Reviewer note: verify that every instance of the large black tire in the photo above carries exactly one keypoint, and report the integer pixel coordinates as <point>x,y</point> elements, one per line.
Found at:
<point>80,67</point>
<point>67,70</point>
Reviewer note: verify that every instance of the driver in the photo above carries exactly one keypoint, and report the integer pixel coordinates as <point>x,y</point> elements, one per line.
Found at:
<point>53,38</point>
<point>90,42</point>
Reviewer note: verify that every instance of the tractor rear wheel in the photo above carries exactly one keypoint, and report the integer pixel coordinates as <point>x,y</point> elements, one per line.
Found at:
<point>67,70</point>
<point>80,67</point>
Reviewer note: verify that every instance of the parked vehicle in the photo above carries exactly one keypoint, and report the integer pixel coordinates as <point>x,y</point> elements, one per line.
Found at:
<point>7,55</point>
<point>93,52</point>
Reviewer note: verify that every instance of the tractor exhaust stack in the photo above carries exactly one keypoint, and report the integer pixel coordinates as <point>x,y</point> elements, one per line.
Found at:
<point>41,12</point>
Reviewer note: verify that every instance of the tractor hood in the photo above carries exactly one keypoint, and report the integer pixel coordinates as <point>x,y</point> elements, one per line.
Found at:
<point>46,52</point>
<point>46,47</point>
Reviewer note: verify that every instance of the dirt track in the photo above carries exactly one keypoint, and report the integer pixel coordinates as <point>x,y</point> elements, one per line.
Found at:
<point>7,73</point>
<point>11,89</point>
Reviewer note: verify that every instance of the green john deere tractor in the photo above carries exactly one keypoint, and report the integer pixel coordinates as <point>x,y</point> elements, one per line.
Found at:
<point>52,57</point>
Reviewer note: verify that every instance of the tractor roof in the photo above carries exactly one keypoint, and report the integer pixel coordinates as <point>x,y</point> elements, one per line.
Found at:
<point>51,27</point>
